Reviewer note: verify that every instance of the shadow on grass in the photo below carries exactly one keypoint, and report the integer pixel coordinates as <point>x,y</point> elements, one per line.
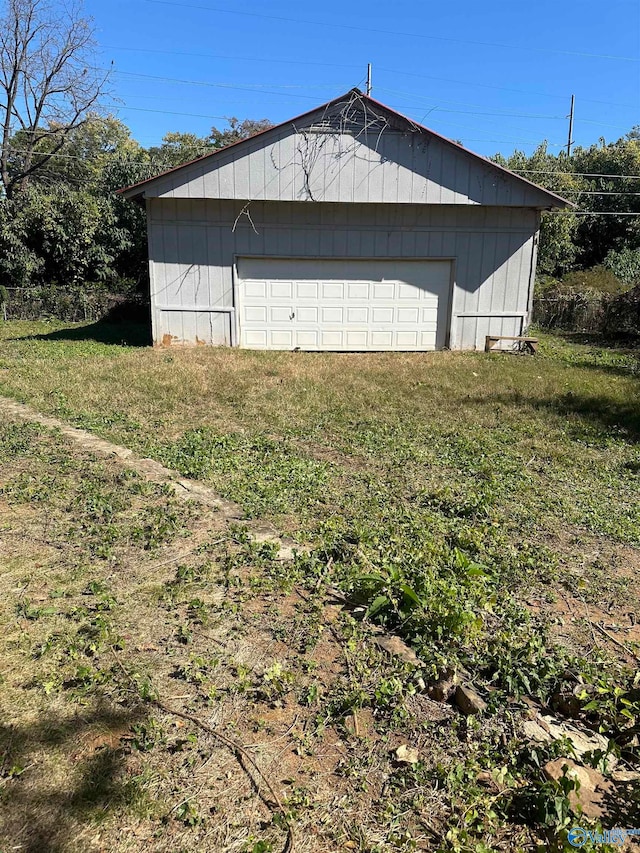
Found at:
<point>118,334</point>
<point>607,417</point>
<point>629,344</point>
<point>46,805</point>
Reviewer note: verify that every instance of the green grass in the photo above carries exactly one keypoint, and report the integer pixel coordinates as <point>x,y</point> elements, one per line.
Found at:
<point>305,438</point>
<point>440,491</point>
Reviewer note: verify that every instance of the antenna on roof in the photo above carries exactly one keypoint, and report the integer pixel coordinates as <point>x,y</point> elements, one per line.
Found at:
<point>369,79</point>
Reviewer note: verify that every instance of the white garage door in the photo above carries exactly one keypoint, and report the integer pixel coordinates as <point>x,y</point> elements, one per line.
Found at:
<point>286,303</point>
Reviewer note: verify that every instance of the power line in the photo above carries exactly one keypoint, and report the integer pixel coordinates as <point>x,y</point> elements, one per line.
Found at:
<point>251,88</point>
<point>271,60</point>
<point>259,88</point>
<point>577,174</point>
<point>285,94</point>
<point>596,192</point>
<point>361,29</point>
<point>515,115</point>
<point>155,166</point>
<point>205,150</point>
<point>121,108</point>
<point>190,54</point>
<point>499,88</point>
<point>466,104</point>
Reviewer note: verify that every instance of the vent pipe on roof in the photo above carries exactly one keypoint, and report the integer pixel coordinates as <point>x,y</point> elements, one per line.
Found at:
<point>369,79</point>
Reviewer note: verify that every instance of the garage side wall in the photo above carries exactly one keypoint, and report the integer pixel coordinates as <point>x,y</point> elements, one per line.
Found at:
<point>194,243</point>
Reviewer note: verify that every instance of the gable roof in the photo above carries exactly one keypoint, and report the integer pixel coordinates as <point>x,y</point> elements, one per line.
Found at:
<point>369,117</point>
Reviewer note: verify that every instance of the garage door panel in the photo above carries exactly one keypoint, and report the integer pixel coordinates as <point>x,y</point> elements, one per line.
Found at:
<point>332,290</point>
<point>255,289</point>
<point>332,339</point>
<point>256,313</point>
<point>382,340</point>
<point>256,338</point>
<point>356,340</point>
<point>281,339</point>
<point>406,291</point>
<point>358,315</point>
<point>384,291</point>
<point>280,313</point>
<point>407,340</point>
<point>382,315</point>
<point>281,289</point>
<point>358,290</point>
<point>306,314</point>
<point>332,314</point>
<point>307,290</point>
<point>408,315</point>
<point>330,304</point>
<point>307,338</point>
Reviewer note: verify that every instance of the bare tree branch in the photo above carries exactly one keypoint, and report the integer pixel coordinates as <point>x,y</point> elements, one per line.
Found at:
<point>48,83</point>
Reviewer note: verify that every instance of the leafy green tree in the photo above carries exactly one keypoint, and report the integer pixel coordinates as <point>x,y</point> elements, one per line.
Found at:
<point>68,226</point>
<point>237,131</point>
<point>625,265</point>
<point>597,235</point>
<point>557,251</point>
<point>178,148</point>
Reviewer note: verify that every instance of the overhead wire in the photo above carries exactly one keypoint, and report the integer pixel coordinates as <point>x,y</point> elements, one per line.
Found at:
<point>309,97</point>
<point>273,59</point>
<point>255,88</point>
<point>386,32</point>
<point>500,88</point>
<point>438,108</point>
<point>155,166</point>
<point>212,150</point>
<point>259,87</point>
<point>577,174</point>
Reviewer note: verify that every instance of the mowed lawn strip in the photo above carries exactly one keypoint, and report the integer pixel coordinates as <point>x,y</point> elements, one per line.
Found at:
<point>484,508</point>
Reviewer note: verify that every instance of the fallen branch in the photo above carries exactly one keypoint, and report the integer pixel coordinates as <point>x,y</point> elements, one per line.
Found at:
<point>240,752</point>
<point>616,642</point>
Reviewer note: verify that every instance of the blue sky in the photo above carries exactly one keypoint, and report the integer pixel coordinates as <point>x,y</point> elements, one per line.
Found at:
<point>496,75</point>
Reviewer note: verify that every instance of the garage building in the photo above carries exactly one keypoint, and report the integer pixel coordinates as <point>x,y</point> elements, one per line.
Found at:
<point>348,228</point>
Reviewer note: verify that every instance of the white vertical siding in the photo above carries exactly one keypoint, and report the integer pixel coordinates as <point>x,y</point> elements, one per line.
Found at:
<point>393,167</point>
<point>193,246</point>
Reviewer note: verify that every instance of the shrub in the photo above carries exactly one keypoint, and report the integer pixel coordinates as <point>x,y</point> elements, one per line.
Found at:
<point>625,265</point>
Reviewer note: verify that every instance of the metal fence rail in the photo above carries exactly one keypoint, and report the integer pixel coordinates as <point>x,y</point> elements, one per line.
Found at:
<point>22,303</point>
<point>572,312</point>
<point>605,313</point>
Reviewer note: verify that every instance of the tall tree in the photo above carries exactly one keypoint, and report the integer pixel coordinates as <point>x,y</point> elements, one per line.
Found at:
<point>48,84</point>
<point>178,148</point>
<point>237,131</point>
<point>557,230</point>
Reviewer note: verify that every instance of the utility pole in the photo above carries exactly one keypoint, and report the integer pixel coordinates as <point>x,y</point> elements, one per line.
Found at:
<point>570,140</point>
<point>369,79</point>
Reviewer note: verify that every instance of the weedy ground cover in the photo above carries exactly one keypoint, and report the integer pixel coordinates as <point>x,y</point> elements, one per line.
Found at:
<point>484,508</point>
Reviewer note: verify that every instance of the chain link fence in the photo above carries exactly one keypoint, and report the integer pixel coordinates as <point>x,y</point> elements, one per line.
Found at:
<point>570,312</point>
<point>17,303</point>
<point>589,312</point>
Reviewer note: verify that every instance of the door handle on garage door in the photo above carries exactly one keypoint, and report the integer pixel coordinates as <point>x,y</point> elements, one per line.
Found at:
<point>292,315</point>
